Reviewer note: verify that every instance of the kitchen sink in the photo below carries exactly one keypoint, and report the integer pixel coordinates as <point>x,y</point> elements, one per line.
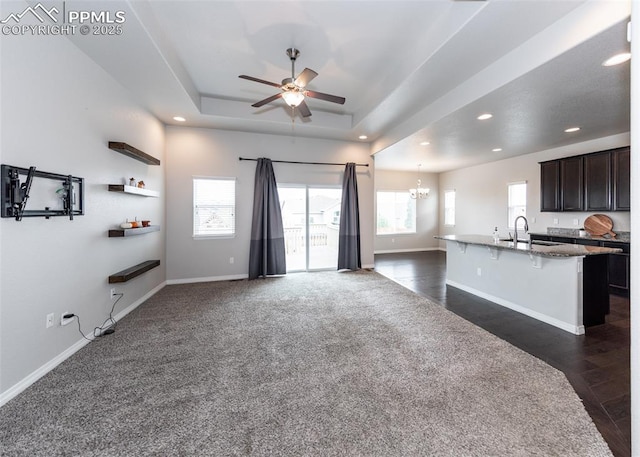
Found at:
<point>535,242</point>
<point>546,243</point>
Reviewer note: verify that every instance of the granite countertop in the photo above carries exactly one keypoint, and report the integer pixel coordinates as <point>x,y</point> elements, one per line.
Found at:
<point>622,237</point>
<point>546,250</point>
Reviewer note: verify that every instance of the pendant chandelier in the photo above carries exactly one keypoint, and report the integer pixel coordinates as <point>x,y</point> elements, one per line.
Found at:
<point>419,192</point>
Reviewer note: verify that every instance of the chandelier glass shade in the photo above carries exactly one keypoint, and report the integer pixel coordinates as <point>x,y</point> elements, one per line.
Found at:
<point>419,192</point>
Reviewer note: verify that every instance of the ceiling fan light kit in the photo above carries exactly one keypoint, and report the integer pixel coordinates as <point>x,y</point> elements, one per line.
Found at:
<point>293,98</point>
<point>293,89</point>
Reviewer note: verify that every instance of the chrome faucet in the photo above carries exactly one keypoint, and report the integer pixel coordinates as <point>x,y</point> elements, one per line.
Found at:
<point>515,229</point>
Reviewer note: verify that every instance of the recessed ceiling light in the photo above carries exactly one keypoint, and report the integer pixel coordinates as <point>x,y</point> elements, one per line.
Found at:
<point>496,149</point>
<point>572,129</point>
<point>179,118</point>
<point>485,116</point>
<point>363,137</point>
<point>424,143</point>
<point>617,59</point>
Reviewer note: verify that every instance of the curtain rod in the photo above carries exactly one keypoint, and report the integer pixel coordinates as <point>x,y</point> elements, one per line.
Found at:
<point>308,163</point>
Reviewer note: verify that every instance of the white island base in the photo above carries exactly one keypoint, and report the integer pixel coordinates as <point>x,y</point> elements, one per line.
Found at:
<point>549,289</point>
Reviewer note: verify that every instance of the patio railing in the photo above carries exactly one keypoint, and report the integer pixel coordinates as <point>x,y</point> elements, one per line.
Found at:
<point>294,238</point>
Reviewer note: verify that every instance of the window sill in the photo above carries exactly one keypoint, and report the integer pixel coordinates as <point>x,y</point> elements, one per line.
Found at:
<point>213,237</point>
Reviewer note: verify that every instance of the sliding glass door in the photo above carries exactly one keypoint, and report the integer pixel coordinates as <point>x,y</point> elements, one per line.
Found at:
<point>323,222</point>
<point>293,204</point>
<point>311,218</point>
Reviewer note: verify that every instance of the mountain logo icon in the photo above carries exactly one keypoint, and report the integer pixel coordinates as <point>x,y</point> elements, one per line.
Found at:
<point>39,11</point>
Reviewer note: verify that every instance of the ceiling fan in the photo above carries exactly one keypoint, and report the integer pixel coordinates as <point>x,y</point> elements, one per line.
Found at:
<point>293,89</point>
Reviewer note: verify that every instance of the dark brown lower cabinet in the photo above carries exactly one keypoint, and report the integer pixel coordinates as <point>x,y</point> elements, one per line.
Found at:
<point>619,265</point>
<point>619,269</point>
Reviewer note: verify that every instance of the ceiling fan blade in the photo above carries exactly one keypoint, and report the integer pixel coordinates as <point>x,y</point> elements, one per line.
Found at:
<point>251,78</point>
<point>327,97</point>
<point>267,100</point>
<point>303,78</point>
<point>303,109</point>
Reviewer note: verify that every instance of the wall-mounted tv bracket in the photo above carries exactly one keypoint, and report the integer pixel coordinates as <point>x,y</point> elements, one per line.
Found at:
<point>15,194</point>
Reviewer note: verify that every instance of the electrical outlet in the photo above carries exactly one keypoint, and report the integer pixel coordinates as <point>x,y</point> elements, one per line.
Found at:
<point>576,222</point>
<point>50,318</point>
<point>112,293</point>
<point>555,221</point>
<point>231,260</point>
<point>479,271</point>
<point>66,321</point>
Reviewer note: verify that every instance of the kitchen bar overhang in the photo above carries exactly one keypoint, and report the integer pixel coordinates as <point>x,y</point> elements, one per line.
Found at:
<point>565,285</point>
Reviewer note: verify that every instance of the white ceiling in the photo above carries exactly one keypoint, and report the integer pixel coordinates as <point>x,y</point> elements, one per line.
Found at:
<point>411,71</point>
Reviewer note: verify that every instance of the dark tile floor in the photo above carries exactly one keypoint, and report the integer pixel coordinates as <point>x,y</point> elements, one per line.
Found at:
<point>596,364</point>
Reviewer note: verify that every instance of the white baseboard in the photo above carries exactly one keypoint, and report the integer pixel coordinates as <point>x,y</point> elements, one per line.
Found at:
<point>575,329</point>
<point>140,301</point>
<point>206,279</point>
<point>396,251</point>
<point>224,278</point>
<point>23,384</point>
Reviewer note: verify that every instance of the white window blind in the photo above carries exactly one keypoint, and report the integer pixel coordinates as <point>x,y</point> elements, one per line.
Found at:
<point>517,201</point>
<point>449,207</point>
<point>396,213</point>
<point>214,207</point>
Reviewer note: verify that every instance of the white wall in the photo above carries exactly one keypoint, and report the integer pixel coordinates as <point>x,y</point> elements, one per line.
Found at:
<point>59,110</point>
<point>207,152</point>
<point>481,192</point>
<point>635,241</point>
<point>426,212</point>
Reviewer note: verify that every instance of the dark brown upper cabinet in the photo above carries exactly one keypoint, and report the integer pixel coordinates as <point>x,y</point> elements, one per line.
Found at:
<point>550,186</point>
<point>571,184</point>
<point>621,161</point>
<point>599,181</point>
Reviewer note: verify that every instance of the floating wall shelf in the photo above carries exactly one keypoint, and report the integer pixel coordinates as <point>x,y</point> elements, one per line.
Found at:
<point>130,151</point>
<point>132,272</point>
<point>120,232</point>
<point>133,190</point>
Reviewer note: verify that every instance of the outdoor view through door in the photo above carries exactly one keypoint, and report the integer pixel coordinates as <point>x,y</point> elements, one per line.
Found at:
<point>311,219</point>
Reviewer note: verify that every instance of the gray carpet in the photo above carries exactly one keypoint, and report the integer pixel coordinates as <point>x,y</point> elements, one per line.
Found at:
<point>318,364</point>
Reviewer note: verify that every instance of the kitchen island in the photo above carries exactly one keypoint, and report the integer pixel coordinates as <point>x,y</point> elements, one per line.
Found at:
<point>564,285</point>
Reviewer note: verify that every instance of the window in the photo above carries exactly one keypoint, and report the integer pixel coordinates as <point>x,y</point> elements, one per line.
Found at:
<point>214,207</point>
<point>450,207</point>
<point>517,201</point>
<point>396,213</point>
<point>336,218</point>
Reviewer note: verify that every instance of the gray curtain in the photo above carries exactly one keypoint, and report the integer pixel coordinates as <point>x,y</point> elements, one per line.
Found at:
<point>349,236</point>
<point>266,254</point>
